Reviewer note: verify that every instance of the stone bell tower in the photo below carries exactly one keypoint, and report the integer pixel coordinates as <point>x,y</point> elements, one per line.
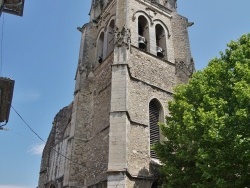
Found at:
<point>132,54</point>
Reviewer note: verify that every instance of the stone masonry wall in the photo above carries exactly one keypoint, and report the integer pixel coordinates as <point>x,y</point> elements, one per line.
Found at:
<point>91,120</point>
<point>150,76</point>
<point>180,38</point>
<point>138,132</point>
<point>97,146</point>
<point>102,91</point>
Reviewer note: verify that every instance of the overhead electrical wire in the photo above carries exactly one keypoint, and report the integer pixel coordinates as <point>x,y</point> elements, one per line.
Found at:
<point>27,124</point>
<point>21,135</point>
<point>43,140</point>
<point>75,162</point>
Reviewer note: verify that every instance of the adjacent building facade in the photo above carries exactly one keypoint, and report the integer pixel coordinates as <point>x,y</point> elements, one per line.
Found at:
<point>14,7</point>
<point>133,53</point>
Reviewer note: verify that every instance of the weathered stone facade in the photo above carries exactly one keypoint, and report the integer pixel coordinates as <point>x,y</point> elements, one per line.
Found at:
<point>103,138</point>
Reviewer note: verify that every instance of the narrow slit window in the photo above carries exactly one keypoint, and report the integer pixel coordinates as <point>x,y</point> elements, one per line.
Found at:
<point>100,45</point>
<point>111,36</point>
<point>154,118</point>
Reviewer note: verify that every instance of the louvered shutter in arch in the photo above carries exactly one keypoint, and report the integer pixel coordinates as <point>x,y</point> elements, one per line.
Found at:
<point>154,113</point>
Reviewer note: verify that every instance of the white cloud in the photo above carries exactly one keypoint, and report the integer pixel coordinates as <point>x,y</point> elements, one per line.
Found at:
<point>27,95</point>
<point>15,186</point>
<point>36,149</point>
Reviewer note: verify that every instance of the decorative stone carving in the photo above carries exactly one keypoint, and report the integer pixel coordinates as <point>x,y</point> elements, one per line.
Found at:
<point>191,66</point>
<point>122,37</point>
<point>181,66</point>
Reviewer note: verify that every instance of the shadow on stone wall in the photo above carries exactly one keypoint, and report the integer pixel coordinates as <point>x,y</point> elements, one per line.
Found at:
<point>148,178</point>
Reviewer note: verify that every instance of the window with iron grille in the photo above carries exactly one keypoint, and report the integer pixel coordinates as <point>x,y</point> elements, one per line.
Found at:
<point>154,117</point>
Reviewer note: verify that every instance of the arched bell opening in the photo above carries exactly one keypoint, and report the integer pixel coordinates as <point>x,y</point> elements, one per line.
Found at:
<point>143,33</point>
<point>160,36</point>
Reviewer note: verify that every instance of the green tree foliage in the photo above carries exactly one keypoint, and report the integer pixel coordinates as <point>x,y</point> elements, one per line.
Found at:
<point>208,130</point>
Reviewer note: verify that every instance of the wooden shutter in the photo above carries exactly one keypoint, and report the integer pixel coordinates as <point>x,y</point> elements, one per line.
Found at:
<point>153,125</point>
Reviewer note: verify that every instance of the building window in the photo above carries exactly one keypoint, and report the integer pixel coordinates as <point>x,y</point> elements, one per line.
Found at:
<point>160,36</point>
<point>100,44</point>
<point>143,33</point>
<point>155,116</point>
<point>110,37</point>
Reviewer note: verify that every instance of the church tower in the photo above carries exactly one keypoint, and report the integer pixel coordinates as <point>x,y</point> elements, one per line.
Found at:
<point>132,54</point>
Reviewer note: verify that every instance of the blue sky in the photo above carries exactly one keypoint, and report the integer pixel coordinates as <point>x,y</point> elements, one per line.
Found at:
<point>40,52</point>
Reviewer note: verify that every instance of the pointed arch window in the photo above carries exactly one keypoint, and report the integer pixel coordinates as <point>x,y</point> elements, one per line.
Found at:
<point>155,116</point>
<point>160,37</point>
<point>143,33</point>
<point>100,44</point>
<point>110,37</point>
